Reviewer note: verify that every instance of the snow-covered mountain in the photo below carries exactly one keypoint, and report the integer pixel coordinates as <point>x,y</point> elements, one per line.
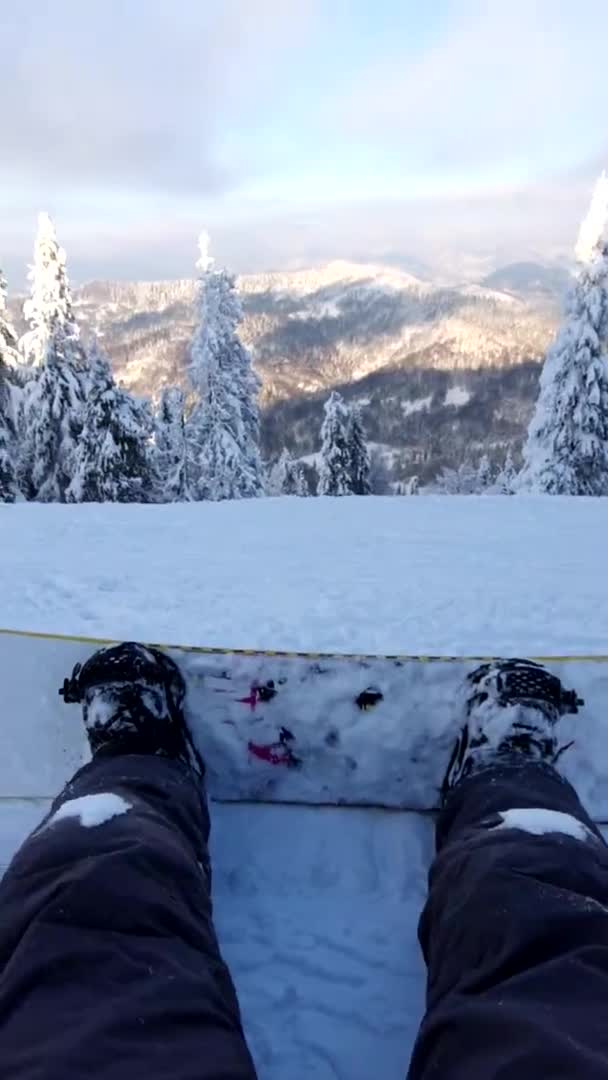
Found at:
<point>529,279</point>
<point>314,328</point>
<point>385,336</point>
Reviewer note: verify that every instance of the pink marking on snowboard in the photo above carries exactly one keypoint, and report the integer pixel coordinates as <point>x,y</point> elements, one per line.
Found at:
<point>252,700</point>
<point>274,753</point>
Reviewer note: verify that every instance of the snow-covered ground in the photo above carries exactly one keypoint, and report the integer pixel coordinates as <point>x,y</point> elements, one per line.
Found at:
<point>450,575</point>
<point>316,908</point>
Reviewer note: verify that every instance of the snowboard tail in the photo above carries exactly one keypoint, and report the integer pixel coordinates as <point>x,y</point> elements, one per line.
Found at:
<point>296,728</point>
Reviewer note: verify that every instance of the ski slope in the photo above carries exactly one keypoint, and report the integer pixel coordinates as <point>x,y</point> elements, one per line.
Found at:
<point>316,908</point>
<point>450,575</point>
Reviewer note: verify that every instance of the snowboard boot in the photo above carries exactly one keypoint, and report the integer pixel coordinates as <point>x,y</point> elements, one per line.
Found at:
<point>132,702</point>
<point>511,710</point>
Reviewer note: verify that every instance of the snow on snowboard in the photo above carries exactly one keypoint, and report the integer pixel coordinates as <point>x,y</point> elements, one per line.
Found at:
<point>284,728</point>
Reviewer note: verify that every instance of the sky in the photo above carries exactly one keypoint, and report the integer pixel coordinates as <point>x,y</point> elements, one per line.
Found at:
<point>444,136</point>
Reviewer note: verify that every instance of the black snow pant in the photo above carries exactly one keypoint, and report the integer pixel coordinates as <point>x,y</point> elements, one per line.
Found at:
<point>515,935</point>
<point>110,967</point>
<point>109,963</point>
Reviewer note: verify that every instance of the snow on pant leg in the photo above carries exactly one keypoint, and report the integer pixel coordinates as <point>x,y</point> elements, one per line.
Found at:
<point>109,963</point>
<point>515,934</point>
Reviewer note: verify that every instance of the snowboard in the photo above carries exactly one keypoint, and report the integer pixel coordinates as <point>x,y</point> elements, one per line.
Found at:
<point>272,727</point>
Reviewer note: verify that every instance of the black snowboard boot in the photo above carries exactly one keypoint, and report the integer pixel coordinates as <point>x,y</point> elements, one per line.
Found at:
<point>132,702</point>
<point>512,707</point>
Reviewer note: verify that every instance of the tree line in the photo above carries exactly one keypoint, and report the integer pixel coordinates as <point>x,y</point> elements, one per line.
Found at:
<point>70,433</point>
<point>566,450</point>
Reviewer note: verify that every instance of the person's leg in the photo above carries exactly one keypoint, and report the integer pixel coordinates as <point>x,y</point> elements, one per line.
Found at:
<point>515,930</point>
<point>109,963</point>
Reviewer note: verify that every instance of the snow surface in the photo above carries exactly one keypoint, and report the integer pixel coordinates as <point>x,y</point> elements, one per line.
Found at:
<point>91,810</point>
<point>457,396</point>
<point>417,405</point>
<point>428,574</point>
<point>316,909</point>
<point>540,822</point>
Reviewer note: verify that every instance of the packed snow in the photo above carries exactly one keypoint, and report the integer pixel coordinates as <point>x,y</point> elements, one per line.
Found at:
<point>457,396</point>
<point>430,574</point>
<point>316,909</point>
<point>417,405</point>
<point>91,810</point>
<point>540,822</point>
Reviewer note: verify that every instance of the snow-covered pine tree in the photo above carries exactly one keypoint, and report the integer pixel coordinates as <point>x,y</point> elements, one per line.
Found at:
<point>54,396</point>
<point>507,477</point>
<point>295,481</point>
<point>593,233</point>
<point>484,475</point>
<point>460,481</point>
<point>114,458</point>
<point>380,474</point>
<point>52,424</point>
<point>171,449</point>
<point>54,333</point>
<point>287,477</point>
<point>335,466</point>
<point>223,429</point>
<point>9,487</point>
<point>8,341</point>
<point>359,454</point>
<point>566,452</point>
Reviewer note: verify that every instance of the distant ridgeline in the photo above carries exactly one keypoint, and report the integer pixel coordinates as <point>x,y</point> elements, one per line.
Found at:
<point>439,373</point>
<point>345,379</point>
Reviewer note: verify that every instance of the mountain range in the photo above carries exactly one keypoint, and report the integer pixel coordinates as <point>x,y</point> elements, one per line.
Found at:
<point>441,372</point>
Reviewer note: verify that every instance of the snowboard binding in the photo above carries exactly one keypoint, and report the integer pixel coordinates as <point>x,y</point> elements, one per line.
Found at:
<point>512,707</point>
<point>132,700</point>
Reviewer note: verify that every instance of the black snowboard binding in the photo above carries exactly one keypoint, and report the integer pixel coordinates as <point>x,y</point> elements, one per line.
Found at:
<point>132,702</point>
<point>512,707</point>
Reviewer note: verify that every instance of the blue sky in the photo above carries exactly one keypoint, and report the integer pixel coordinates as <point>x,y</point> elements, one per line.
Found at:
<point>298,131</point>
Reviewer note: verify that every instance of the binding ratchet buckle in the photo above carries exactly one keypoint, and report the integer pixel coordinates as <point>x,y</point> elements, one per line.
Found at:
<point>521,682</point>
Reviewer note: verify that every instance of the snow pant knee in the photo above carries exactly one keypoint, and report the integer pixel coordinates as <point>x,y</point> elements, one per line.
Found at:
<point>515,934</point>
<point>109,960</point>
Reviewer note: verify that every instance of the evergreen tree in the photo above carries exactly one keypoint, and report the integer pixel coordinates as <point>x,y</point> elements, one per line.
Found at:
<point>53,415</point>
<point>566,452</point>
<point>171,446</point>
<point>272,481</point>
<point>54,396</point>
<point>507,477</point>
<point>8,342</point>
<point>9,487</point>
<point>54,334</point>
<point>380,474</point>
<point>287,477</point>
<point>460,481</point>
<point>223,429</point>
<point>335,468</point>
<point>484,474</point>
<point>593,235</point>
<point>359,454</point>
<point>295,481</point>
<point>114,459</point>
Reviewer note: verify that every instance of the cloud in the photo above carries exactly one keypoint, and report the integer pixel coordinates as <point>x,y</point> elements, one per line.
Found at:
<point>136,94</point>
<point>451,239</point>
<point>442,237</point>
<point>137,122</point>
<point>511,86</point>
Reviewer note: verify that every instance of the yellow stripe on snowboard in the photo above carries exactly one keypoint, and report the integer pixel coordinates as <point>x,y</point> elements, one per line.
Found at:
<point>206,650</point>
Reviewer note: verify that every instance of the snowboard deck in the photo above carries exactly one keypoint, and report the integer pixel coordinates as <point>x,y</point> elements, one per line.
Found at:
<point>295,728</point>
